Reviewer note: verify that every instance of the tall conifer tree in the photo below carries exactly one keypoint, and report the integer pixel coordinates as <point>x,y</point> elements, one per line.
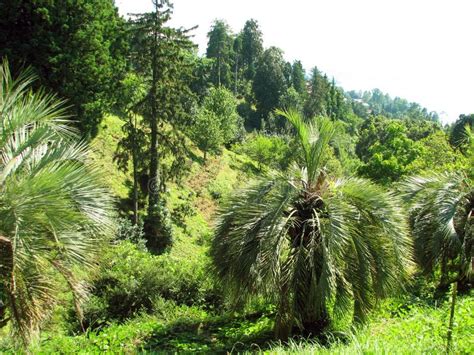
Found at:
<point>161,55</point>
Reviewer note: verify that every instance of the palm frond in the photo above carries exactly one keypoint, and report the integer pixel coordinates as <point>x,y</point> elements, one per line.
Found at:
<point>440,209</point>
<point>314,138</point>
<point>250,235</point>
<point>53,206</point>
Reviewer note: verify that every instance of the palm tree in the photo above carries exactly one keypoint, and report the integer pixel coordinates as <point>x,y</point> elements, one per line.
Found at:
<point>314,244</point>
<point>441,218</point>
<point>442,223</point>
<point>53,210</point>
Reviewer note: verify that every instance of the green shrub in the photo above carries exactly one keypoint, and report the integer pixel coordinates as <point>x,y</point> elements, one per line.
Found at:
<point>270,151</point>
<point>130,280</point>
<point>184,208</point>
<point>126,230</point>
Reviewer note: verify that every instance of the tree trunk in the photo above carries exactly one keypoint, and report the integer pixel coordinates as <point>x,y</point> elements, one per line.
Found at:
<point>6,277</point>
<point>445,281</point>
<point>135,174</point>
<point>359,315</point>
<point>219,66</point>
<point>283,327</point>
<point>6,259</point>
<point>153,191</point>
<point>451,318</point>
<point>283,321</point>
<point>315,324</point>
<point>236,74</point>
<point>444,271</point>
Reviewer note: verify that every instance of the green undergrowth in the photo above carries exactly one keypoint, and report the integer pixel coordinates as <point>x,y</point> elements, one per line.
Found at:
<point>210,182</point>
<point>418,329</point>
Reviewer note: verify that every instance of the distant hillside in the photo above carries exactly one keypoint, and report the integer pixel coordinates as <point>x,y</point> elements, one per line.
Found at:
<point>378,103</point>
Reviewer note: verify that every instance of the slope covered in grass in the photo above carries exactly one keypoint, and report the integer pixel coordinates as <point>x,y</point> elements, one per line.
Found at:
<point>421,329</point>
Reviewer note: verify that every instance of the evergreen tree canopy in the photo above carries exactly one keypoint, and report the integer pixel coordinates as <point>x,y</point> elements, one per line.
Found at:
<point>76,48</point>
<point>252,47</point>
<point>316,103</point>
<point>269,83</point>
<point>298,78</point>
<point>220,47</point>
<point>160,54</point>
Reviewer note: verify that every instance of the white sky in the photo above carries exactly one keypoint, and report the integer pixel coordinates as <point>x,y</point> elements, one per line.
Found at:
<point>421,50</point>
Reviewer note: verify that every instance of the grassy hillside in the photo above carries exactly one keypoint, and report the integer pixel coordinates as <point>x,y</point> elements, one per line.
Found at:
<point>103,147</point>
<point>405,326</point>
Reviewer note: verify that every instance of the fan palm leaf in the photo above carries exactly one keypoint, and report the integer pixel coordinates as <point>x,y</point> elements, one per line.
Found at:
<point>441,220</point>
<point>53,207</point>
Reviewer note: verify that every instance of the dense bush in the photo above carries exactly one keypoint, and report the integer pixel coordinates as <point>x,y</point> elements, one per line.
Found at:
<point>126,230</point>
<point>270,151</point>
<point>131,280</point>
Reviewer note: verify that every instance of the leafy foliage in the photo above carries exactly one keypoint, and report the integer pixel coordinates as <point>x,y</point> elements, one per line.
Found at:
<point>390,149</point>
<point>437,155</point>
<point>217,122</point>
<point>392,159</point>
<point>271,151</point>
<point>131,281</point>
<point>76,48</point>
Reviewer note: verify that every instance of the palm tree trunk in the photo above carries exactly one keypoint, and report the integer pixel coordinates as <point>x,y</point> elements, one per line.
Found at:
<point>314,324</point>
<point>444,281</point>
<point>283,322</point>
<point>359,316</point>
<point>6,258</point>
<point>6,271</point>
<point>7,267</point>
<point>444,272</point>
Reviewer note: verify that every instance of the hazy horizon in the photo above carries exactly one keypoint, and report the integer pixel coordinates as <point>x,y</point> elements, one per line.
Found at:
<point>415,50</point>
